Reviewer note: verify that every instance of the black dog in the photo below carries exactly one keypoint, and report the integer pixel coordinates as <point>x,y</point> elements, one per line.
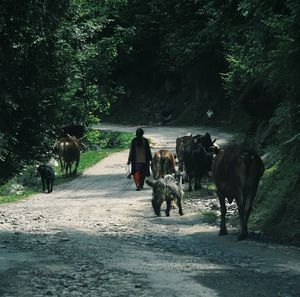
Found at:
<point>48,175</point>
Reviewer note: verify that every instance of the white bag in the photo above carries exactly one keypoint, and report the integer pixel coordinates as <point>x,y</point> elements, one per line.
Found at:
<point>127,171</point>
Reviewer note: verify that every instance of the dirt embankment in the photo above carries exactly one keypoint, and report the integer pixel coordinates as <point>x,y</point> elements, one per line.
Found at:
<point>97,236</point>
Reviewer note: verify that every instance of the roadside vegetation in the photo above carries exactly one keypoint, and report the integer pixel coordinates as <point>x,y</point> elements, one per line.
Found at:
<point>277,206</point>
<point>96,146</point>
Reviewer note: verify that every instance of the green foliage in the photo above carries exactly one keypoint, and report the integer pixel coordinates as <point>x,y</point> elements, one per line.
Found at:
<point>20,183</point>
<point>30,78</point>
<point>90,43</point>
<point>28,182</point>
<point>97,140</point>
<point>209,216</point>
<point>56,63</point>
<point>264,45</point>
<point>3,147</point>
<point>277,206</point>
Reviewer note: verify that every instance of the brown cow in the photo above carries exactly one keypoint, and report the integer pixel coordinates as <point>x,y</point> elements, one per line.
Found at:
<point>163,163</point>
<point>69,152</point>
<point>237,171</point>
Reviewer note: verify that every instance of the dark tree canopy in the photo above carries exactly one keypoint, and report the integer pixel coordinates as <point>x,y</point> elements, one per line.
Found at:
<point>69,61</point>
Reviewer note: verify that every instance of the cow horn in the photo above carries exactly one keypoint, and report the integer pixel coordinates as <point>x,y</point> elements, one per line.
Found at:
<point>214,140</point>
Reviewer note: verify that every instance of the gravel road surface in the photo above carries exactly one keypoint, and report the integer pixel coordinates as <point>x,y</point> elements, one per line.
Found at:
<point>97,236</point>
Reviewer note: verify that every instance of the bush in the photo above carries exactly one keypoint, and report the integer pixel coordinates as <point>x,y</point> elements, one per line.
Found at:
<point>96,140</point>
<point>27,178</point>
<point>277,205</point>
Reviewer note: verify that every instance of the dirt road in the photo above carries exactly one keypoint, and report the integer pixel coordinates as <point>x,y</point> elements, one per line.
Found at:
<point>97,236</point>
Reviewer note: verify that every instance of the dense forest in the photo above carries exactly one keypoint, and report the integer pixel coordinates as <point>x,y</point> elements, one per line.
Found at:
<point>167,62</point>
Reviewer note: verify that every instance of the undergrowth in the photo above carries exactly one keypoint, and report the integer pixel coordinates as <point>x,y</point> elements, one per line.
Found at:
<point>97,146</point>
<point>277,204</point>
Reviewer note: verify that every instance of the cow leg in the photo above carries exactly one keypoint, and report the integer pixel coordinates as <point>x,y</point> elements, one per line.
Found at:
<point>169,203</point>
<point>240,200</point>
<point>180,166</point>
<point>76,166</point>
<point>51,185</point>
<point>48,185</point>
<point>152,169</point>
<point>70,168</point>
<point>190,184</point>
<point>198,185</point>
<point>43,183</point>
<point>223,229</point>
<point>67,168</point>
<point>200,178</point>
<point>247,211</point>
<point>62,166</point>
<point>156,168</point>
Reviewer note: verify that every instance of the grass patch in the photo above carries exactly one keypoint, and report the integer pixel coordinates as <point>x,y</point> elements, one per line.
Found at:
<point>27,183</point>
<point>209,216</point>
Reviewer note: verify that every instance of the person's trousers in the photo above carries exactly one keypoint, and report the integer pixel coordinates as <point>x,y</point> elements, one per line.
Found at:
<point>139,179</point>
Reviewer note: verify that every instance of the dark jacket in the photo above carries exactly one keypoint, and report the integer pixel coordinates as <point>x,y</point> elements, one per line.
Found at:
<point>132,154</point>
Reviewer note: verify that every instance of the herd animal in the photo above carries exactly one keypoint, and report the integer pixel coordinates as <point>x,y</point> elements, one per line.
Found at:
<point>165,189</point>
<point>47,176</point>
<point>236,171</point>
<point>69,152</point>
<point>68,149</point>
<point>163,163</point>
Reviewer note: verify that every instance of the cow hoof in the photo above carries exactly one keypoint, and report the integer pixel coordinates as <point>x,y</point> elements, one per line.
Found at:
<point>181,213</point>
<point>223,232</point>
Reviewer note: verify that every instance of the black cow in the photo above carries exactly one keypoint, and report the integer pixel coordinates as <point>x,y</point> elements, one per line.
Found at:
<point>197,163</point>
<point>69,152</point>
<point>47,175</point>
<point>237,171</point>
<point>183,143</point>
<point>206,141</point>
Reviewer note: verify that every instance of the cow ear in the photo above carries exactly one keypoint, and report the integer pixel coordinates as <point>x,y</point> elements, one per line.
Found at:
<point>214,140</point>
